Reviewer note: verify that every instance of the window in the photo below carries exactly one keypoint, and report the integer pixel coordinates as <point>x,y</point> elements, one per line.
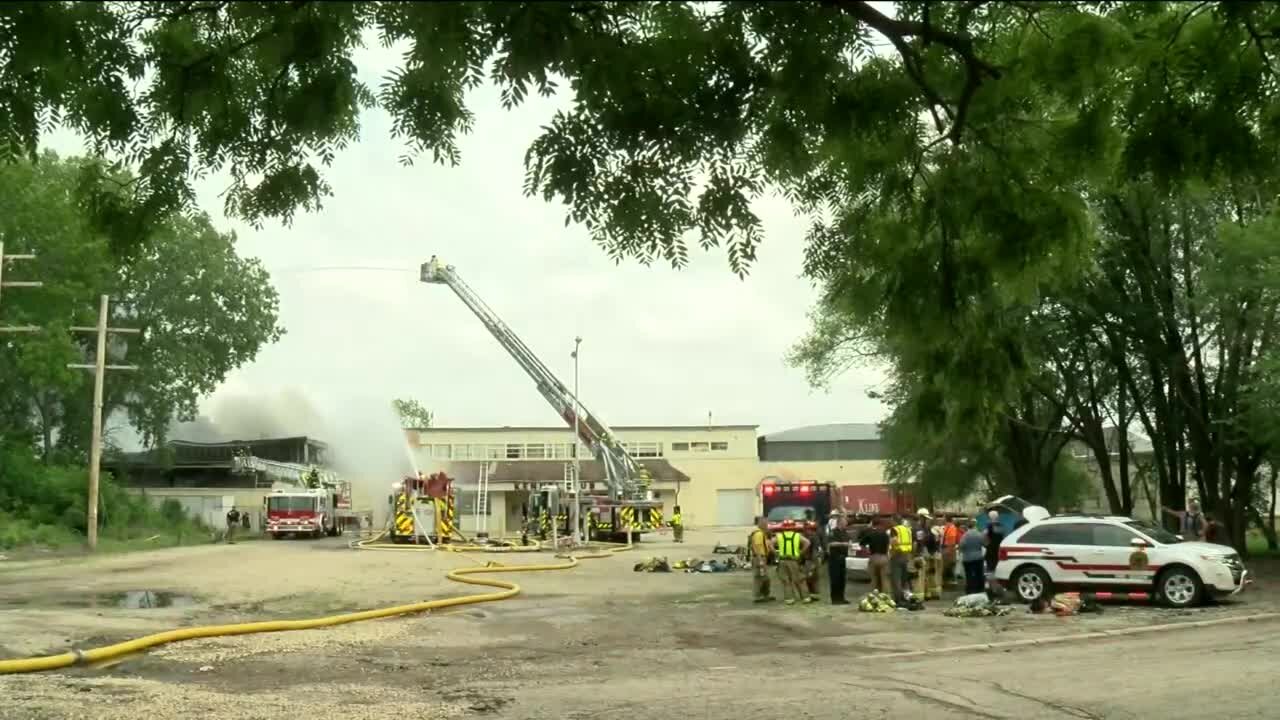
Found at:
<point>679,447</point>
<point>1155,532</point>
<point>783,513</point>
<point>467,503</point>
<point>536,451</point>
<point>699,447</point>
<point>495,452</point>
<point>440,452</point>
<point>644,449</point>
<point>461,452</point>
<point>720,446</point>
<point>1112,536</point>
<point>1059,534</point>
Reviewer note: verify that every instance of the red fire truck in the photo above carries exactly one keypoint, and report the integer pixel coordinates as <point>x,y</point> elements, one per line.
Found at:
<point>308,512</point>
<point>807,504</point>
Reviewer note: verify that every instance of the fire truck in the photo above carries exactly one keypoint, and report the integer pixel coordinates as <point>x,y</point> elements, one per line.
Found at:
<point>305,501</point>
<point>423,510</point>
<point>805,504</point>
<point>627,506</point>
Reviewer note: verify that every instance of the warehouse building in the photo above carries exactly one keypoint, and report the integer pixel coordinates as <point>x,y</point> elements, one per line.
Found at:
<point>712,472</point>
<point>201,476</point>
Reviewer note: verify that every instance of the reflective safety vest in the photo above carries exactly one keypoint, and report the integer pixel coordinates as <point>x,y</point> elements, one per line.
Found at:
<point>951,536</point>
<point>789,545</point>
<point>900,539</point>
<point>676,520</point>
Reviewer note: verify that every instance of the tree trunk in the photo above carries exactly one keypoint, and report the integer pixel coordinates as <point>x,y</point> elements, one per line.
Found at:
<point>1269,527</point>
<point>1122,438</point>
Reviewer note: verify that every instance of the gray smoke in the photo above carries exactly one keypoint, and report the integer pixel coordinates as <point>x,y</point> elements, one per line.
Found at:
<point>366,444</point>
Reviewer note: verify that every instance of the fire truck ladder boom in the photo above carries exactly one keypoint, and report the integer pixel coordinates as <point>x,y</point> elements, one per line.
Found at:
<point>292,473</point>
<point>622,472</point>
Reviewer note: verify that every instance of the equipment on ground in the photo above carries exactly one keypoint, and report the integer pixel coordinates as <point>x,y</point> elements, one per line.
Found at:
<point>628,506</point>
<point>423,510</point>
<point>306,500</point>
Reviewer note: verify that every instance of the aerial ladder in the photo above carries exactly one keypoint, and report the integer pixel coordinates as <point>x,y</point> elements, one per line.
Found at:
<point>629,504</point>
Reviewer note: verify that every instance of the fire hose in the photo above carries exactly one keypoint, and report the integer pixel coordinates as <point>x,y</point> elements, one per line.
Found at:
<point>506,590</point>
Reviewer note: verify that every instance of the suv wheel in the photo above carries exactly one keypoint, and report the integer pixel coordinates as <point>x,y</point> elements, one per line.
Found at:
<point>1179,587</point>
<point>1030,583</point>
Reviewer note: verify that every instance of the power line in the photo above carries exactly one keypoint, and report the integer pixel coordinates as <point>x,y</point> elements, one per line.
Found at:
<point>334,268</point>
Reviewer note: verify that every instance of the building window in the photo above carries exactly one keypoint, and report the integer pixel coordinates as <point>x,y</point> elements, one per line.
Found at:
<point>699,447</point>
<point>461,452</point>
<point>536,451</point>
<point>561,451</point>
<point>515,451</point>
<point>679,447</point>
<point>440,452</point>
<point>467,503</point>
<point>495,452</point>
<point>644,449</point>
<point>720,446</point>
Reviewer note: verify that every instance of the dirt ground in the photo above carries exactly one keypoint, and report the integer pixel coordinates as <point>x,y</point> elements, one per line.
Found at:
<point>575,644</point>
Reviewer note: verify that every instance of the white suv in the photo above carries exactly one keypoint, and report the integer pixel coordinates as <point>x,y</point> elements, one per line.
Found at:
<point>1094,552</point>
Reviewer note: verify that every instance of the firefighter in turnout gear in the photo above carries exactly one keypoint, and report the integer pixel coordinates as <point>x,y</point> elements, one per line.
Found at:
<point>790,545</point>
<point>812,560</point>
<point>758,554</point>
<point>677,525</point>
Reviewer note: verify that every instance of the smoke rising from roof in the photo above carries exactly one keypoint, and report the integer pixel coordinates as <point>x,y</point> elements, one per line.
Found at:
<point>367,447</point>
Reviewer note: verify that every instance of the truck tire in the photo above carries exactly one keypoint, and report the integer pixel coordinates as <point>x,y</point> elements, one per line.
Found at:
<point>1030,583</point>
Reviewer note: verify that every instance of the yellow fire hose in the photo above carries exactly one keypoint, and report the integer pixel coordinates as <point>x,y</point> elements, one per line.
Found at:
<point>462,575</point>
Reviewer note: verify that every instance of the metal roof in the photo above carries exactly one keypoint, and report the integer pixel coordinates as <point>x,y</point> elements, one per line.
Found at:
<point>832,432</point>
<point>566,428</point>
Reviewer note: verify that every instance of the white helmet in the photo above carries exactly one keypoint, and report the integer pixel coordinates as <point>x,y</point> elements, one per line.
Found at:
<point>923,512</point>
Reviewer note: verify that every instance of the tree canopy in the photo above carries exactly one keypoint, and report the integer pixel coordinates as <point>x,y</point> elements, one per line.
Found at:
<point>413,414</point>
<point>202,310</point>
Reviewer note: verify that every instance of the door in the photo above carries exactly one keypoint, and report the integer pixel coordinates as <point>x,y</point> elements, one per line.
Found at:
<point>1113,555</point>
<point>735,508</point>
<point>1066,550</point>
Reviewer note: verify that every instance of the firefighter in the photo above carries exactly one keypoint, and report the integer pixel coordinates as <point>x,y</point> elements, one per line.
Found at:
<point>951,533</point>
<point>812,558</point>
<point>677,525</point>
<point>790,545</point>
<point>758,554</point>
<point>233,519</point>
<point>900,548</point>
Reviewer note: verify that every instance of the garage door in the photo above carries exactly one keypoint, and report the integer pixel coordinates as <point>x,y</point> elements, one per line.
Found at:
<point>735,507</point>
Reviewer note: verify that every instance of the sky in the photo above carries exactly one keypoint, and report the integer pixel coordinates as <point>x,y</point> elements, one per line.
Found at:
<point>659,346</point>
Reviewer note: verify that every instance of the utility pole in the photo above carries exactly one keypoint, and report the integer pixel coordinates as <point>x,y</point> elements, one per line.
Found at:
<point>15,283</point>
<point>100,368</point>
<point>577,466</point>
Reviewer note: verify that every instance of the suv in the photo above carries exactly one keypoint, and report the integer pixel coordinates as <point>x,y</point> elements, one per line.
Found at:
<point>1094,552</point>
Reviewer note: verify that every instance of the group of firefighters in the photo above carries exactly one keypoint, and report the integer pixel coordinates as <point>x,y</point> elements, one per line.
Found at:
<point>928,548</point>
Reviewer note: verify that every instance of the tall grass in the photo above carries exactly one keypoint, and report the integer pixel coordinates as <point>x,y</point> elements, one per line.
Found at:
<point>44,506</point>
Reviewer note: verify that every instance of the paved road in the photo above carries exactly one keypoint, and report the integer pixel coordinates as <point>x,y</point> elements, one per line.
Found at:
<point>1222,672</point>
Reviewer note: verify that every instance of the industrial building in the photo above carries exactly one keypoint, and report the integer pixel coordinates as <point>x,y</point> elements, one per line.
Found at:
<point>713,472</point>
<point>201,476</point>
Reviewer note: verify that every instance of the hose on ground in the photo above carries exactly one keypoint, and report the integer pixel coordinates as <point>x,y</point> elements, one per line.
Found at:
<point>505,591</point>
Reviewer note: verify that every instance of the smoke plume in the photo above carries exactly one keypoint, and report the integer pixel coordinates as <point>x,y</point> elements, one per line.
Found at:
<point>367,447</point>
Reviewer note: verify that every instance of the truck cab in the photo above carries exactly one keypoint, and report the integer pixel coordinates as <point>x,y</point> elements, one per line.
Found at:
<point>807,504</point>
<point>309,512</point>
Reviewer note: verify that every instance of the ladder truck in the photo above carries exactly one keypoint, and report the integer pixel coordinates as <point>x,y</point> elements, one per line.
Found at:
<point>628,507</point>
<point>305,501</point>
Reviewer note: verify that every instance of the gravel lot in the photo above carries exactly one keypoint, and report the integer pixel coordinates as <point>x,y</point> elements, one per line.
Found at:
<point>576,643</point>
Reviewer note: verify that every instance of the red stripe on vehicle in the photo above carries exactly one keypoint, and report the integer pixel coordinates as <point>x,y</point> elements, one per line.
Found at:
<point>1122,568</point>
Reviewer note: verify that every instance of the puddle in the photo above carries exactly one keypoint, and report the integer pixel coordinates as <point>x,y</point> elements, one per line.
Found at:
<point>147,599</point>
<point>127,600</point>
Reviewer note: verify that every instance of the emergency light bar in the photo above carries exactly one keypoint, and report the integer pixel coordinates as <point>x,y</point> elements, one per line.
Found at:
<point>801,488</point>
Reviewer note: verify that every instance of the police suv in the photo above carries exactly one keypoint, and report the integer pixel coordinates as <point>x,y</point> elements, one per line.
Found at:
<point>1117,554</point>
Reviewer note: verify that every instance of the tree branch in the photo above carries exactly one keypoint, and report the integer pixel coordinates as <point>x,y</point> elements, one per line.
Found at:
<point>897,32</point>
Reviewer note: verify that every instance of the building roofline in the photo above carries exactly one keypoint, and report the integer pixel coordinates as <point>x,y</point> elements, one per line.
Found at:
<point>566,428</point>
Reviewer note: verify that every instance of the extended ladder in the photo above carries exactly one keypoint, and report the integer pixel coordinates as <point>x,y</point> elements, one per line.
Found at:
<point>620,469</point>
<point>482,501</point>
<point>568,477</point>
